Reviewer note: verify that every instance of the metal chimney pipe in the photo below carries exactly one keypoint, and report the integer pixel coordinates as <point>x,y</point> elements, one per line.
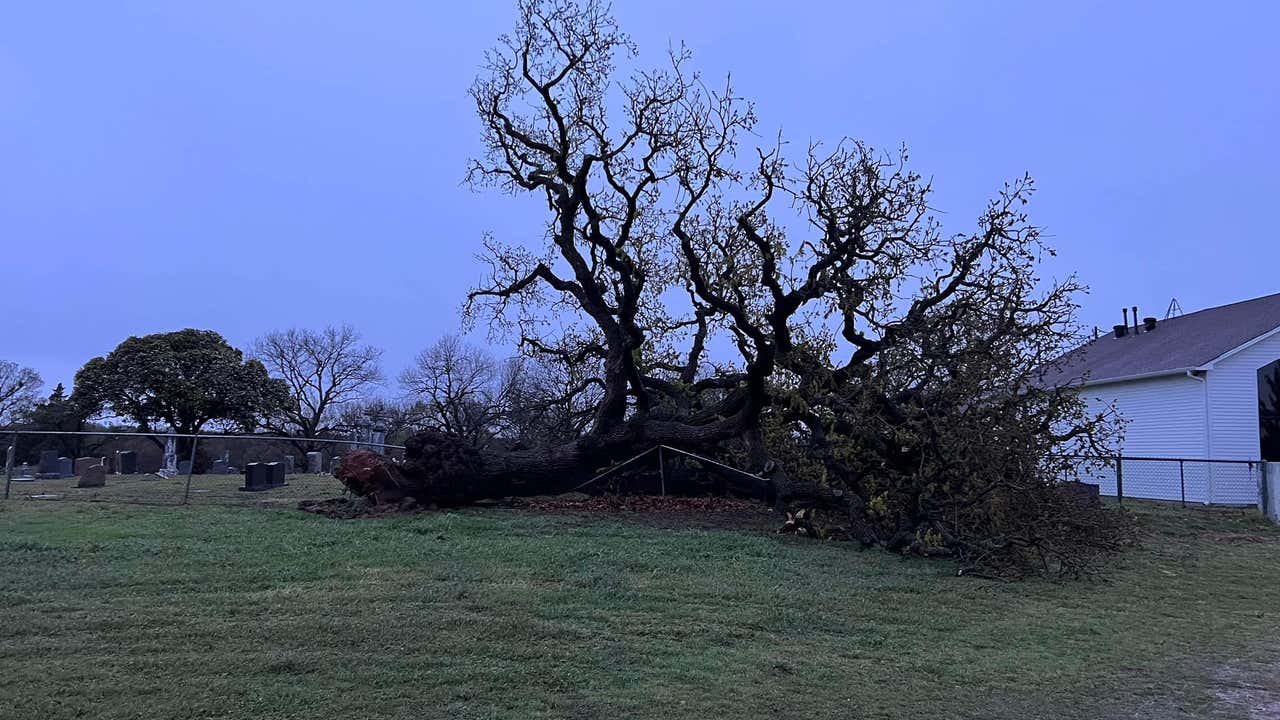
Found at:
<point>1126,318</point>
<point>1135,319</point>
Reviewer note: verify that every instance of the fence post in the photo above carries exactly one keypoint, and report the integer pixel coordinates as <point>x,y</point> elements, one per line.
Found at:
<point>1120,479</point>
<point>8,466</point>
<point>662,471</point>
<point>191,467</point>
<point>1209,469</point>
<point>1182,480</point>
<point>1262,486</point>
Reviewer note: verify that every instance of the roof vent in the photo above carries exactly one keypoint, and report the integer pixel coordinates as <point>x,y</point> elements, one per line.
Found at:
<point>1149,323</point>
<point>1121,330</point>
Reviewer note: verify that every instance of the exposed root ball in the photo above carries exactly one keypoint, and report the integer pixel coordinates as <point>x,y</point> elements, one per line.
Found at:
<point>373,476</point>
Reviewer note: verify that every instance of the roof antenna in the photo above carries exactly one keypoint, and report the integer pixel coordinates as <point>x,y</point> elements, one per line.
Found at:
<point>1174,309</point>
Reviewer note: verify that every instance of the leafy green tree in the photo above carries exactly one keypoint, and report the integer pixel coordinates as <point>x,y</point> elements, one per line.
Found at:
<point>183,381</point>
<point>62,414</point>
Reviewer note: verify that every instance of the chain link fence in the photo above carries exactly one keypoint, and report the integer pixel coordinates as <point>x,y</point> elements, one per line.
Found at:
<point>1235,483</point>
<point>215,469</point>
<point>175,469</point>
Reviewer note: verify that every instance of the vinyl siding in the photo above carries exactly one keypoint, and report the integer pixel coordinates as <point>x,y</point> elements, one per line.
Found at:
<point>1165,418</point>
<point>1165,415</point>
<point>1233,421</point>
<point>1233,401</point>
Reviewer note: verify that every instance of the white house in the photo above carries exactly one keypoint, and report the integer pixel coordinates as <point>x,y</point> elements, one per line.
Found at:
<point>1200,386</point>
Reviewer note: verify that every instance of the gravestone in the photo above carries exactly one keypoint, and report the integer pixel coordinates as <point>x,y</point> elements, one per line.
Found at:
<point>21,473</point>
<point>315,463</point>
<point>93,476</point>
<point>288,465</point>
<point>87,462</point>
<point>126,462</point>
<point>170,459</point>
<point>184,467</point>
<point>222,466</point>
<point>255,477</point>
<point>66,467</point>
<point>48,467</point>
<point>334,464</point>
<point>263,476</point>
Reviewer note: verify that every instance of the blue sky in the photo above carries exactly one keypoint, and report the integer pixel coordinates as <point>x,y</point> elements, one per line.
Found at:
<point>249,166</point>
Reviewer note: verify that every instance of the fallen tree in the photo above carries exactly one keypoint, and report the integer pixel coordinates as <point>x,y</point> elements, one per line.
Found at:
<point>810,315</point>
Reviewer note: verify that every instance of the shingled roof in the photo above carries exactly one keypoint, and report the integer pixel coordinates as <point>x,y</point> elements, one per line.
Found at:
<point>1178,344</point>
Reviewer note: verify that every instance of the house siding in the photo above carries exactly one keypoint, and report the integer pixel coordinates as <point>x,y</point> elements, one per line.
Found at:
<point>1165,418</point>
<point>1180,417</point>
<point>1165,415</point>
<point>1233,401</point>
<point>1233,422</point>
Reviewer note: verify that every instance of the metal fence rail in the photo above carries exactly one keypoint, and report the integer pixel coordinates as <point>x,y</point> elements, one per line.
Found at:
<point>1199,481</point>
<point>155,475</point>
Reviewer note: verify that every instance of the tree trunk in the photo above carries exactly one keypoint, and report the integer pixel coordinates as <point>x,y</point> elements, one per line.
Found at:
<point>443,470</point>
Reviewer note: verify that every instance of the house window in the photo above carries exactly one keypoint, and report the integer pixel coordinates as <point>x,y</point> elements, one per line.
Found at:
<point>1269,411</point>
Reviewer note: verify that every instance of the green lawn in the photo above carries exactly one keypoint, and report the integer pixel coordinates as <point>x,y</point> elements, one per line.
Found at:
<point>125,611</point>
<point>205,490</point>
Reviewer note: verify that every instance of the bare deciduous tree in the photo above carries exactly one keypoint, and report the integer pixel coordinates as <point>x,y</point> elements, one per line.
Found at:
<point>324,370</point>
<point>19,388</point>
<point>461,390</point>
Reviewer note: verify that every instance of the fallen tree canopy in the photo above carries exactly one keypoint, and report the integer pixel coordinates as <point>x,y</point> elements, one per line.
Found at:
<point>808,315</point>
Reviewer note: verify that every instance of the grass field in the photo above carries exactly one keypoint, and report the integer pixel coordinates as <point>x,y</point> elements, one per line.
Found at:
<point>205,490</point>
<point>125,611</point>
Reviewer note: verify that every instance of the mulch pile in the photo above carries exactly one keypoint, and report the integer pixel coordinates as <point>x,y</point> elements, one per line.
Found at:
<point>637,503</point>
<point>669,511</point>
<point>350,508</point>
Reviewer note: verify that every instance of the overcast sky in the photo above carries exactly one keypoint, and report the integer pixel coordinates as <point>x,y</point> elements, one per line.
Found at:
<point>248,166</point>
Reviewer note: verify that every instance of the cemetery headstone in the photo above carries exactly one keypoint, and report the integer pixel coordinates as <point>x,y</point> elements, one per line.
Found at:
<point>263,476</point>
<point>315,463</point>
<point>170,458</point>
<point>66,467</point>
<point>288,465</point>
<point>126,462</point>
<point>184,467</point>
<point>48,469</point>
<point>219,467</point>
<point>93,476</point>
<point>255,477</point>
<point>87,462</point>
<point>21,473</point>
<point>275,474</point>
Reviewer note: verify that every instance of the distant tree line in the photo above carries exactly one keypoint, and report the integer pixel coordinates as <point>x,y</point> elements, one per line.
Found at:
<point>301,383</point>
